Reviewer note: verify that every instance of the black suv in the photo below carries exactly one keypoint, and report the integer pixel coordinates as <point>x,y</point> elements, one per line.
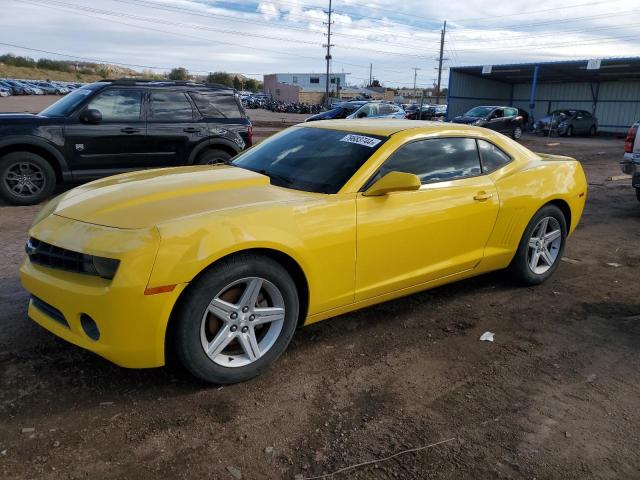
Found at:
<point>115,126</point>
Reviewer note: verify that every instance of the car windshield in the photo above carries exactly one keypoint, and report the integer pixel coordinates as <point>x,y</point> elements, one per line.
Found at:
<point>479,112</point>
<point>68,103</point>
<point>310,159</point>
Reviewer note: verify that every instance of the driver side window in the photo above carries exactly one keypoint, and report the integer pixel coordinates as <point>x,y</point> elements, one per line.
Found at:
<point>118,105</point>
<point>435,160</point>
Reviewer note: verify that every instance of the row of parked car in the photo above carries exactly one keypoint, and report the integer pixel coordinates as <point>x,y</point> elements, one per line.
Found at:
<point>510,121</point>
<point>10,87</point>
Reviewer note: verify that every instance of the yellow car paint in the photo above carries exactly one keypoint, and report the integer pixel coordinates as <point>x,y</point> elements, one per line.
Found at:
<point>167,226</point>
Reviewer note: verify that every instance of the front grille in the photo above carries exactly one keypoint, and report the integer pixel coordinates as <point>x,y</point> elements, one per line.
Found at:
<point>50,311</point>
<point>45,254</point>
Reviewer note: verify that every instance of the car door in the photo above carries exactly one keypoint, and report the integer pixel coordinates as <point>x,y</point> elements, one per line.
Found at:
<point>497,121</point>
<point>582,121</point>
<point>173,128</point>
<point>117,143</point>
<point>409,238</point>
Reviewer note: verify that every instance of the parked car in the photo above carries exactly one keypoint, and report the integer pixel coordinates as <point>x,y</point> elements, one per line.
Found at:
<point>567,123</point>
<point>4,92</point>
<point>378,110</point>
<point>631,161</point>
<point>340,110</point>
<point>505,120</point>
<point>429,112</point>
<point>52,89</point>
<point>17,88</point>
<point>112,127</point>
<point>222,264</point>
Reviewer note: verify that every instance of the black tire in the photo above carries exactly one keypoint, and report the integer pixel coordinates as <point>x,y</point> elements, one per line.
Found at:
<point>187,324</point>
<point>593,131</point>
<point>516,133</point>
<point>213,156</point>
<point>519,268</point>
<point>39,171</point>
<point>569,131</point>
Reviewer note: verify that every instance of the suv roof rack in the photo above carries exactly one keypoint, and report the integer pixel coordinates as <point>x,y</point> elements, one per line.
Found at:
<point>164,83</point>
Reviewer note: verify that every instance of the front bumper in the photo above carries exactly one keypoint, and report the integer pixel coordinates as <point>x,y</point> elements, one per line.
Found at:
<point>131,325</point>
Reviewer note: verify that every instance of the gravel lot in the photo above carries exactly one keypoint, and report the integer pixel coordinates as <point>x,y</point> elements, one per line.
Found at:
<point>556,396</point>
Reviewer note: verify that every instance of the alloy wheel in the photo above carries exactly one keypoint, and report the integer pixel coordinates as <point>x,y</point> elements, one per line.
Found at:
<point>544,245</point>
<point>517,133</point>
<point>242,322</point>
<point>25,179</point>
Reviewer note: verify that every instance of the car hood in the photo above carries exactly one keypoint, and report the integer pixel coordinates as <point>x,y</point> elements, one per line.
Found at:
<point>20,118</point>
<point>466,120</point>
<point>153,197</point>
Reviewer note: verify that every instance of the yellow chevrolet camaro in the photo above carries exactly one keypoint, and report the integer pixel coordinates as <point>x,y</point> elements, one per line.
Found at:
<point>222,263</point>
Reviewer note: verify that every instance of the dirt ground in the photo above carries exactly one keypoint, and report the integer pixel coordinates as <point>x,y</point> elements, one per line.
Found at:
<point>556,396</point>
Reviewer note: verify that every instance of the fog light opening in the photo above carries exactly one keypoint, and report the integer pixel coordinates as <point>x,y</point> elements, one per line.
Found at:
<point>90,327</point>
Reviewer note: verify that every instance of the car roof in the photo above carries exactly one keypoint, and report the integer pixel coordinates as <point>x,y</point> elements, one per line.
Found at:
<point>386,127</point>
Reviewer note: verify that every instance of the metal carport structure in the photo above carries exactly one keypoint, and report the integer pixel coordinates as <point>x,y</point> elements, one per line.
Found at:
<point>608,88</point>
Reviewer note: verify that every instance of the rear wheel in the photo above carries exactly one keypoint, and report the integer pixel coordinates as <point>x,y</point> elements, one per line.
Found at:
<point>237,319</point>
<point>213,156</point>
<point>26,178</point>
<point>541,247</point>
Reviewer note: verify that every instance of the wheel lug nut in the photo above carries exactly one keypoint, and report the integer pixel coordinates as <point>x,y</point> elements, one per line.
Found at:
<point>234,328</point>
<point>245,309</point>
<point>234,315</point>
<point>252,318</point>
<point>245,329</point>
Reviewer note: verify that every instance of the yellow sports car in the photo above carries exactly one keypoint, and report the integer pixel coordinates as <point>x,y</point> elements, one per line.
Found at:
<point>222,263</point>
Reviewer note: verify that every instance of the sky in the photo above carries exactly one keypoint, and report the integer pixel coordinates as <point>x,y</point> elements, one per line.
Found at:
<point>255,37</point>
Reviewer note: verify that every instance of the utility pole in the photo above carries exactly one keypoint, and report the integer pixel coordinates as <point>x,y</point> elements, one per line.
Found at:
<point>440,59</point>
<point>371,74</point>
<point>415,77</point>
<point>328,55</point>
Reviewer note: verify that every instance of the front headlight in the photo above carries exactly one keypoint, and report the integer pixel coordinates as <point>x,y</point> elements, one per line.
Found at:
<point>478,123</point>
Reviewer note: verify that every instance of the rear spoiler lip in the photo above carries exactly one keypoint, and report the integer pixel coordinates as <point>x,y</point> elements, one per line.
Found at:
<point>558,158</point>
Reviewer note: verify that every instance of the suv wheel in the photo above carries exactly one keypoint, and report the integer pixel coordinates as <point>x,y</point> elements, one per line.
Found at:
<point>26,178</point>
<point>236,320</point>
<point>213,157</point>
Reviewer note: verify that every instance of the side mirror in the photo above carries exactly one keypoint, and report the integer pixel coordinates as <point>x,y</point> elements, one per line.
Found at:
<point>393,182</point>
<point>91,116</point>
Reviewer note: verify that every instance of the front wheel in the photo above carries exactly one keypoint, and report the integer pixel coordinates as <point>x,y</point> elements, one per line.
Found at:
<point>26,178</point>
<point>236,320</point>
<point>569,132</point>
<point>516,133</point>
<point>541,247</point>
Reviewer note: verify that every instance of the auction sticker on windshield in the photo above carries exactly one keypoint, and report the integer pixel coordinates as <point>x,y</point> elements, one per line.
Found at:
<point>361,140</point>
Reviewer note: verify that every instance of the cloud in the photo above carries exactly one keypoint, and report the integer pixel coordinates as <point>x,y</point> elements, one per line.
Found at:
<point>265,36</point>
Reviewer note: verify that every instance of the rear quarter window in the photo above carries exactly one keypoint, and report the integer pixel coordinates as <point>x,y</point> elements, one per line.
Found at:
<point>219,105</point>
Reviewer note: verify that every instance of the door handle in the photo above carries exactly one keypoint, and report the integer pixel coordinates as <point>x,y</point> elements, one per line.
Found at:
<point>130,130</point>
<point>482,196</point>
<point>191,130</point>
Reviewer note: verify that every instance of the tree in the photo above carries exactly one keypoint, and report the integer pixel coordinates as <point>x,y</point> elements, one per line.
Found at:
<point>251,85</point>
<point>179,73</point>
<point>223,78</point>
<point>237,83</point>
<point>375,83</point>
